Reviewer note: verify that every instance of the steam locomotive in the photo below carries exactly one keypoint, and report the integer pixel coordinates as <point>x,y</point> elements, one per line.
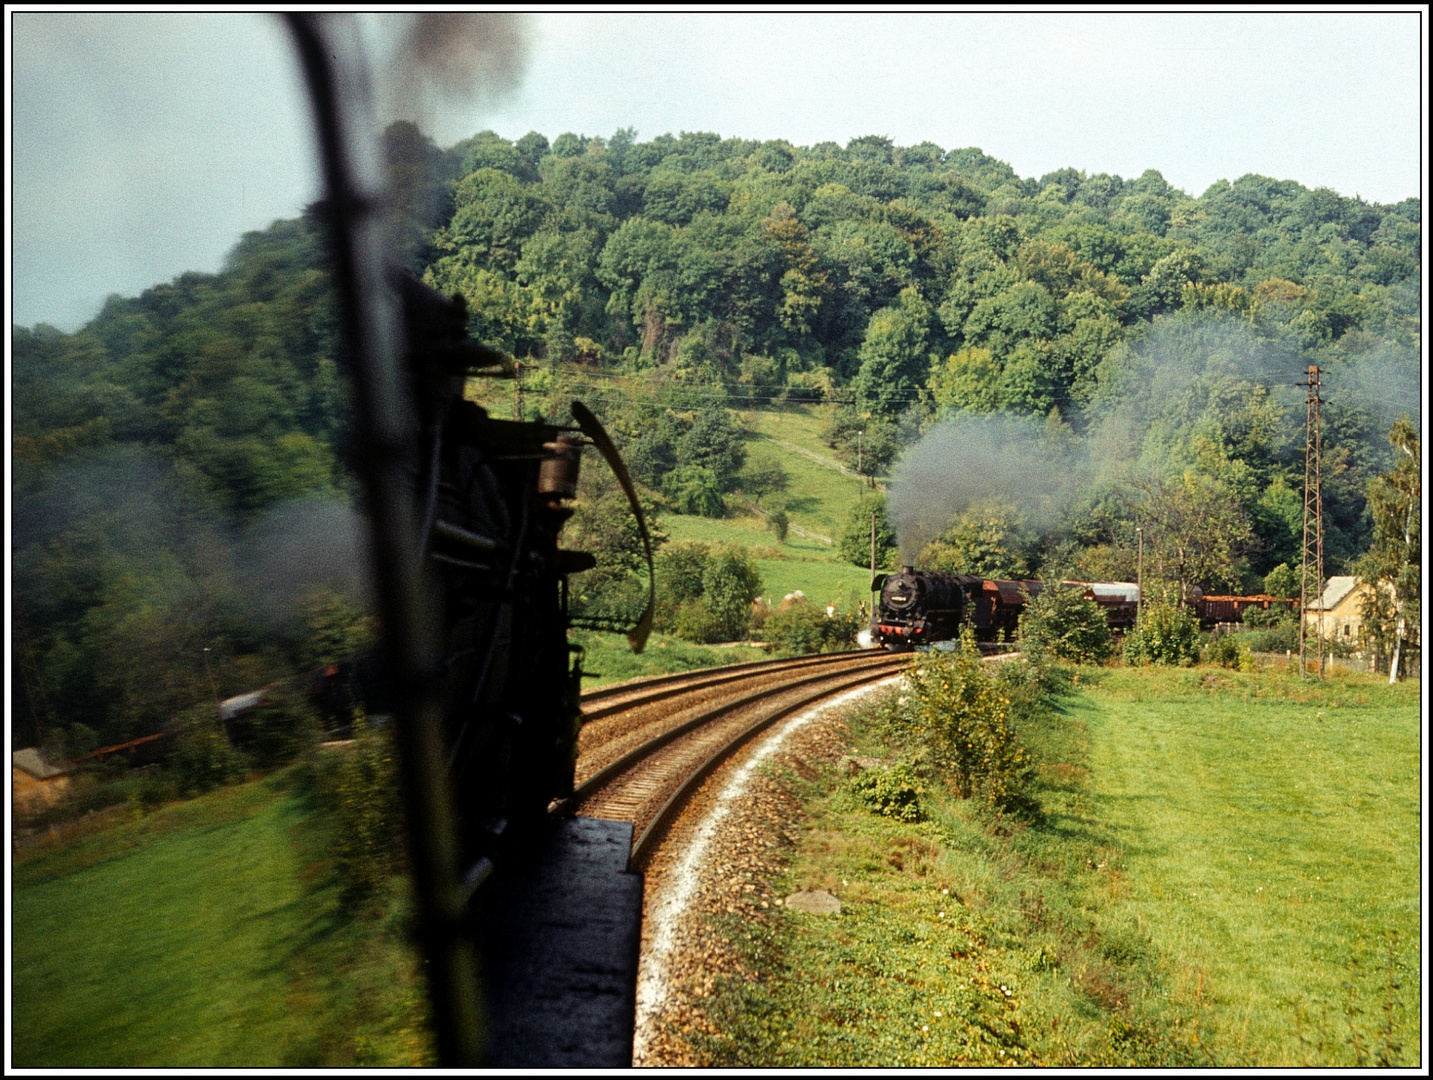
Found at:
<point>536,916</point>
<point>920,607</point>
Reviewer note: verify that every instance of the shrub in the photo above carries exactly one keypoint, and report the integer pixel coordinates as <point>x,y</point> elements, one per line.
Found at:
<point>65,743</point>
<point>1061,623</point>
<point>1228,651</point>
<point>713,443</point>
<point>730,582</point>
<point>679,579</point>
<point>155,789</point>
<point>1282,636</point>
<point>1033,686</point>
<point>1166,634</point>
<point>694,489</point>
<point>705,592</point>
<point>962,713</point>
<point>892,793</point>
<point>336,628</point>
<point>779,523</point>
<point>1282,581</point>
<point>284,727</point>
<point>368,815</point>
<point>1260,618</point>
<point>799,626</point>
<point>203,757</point>
<point>695,622</point>
<point>854,543</point>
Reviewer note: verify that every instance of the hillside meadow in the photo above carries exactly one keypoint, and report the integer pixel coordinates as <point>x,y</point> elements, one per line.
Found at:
<point>209,934</point>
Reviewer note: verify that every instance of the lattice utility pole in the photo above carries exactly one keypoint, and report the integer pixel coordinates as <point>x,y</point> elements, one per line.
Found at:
<point>1312,575</point>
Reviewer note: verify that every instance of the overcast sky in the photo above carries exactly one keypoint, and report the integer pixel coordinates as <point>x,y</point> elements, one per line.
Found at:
<point>144,145</point>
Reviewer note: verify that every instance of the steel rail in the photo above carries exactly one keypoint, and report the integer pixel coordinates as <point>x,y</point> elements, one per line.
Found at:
<point>705,680</point>
<point>703,770</point>
<point>614,768</point>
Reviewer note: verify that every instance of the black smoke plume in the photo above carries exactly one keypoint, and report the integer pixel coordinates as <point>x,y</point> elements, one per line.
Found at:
<point>455,60</point>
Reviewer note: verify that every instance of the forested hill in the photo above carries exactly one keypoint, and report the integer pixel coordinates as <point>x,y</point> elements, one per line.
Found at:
<point>869,260</point>
<point>900,284</point>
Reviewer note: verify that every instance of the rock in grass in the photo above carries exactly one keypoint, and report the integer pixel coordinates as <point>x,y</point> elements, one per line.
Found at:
<point>814,902</point>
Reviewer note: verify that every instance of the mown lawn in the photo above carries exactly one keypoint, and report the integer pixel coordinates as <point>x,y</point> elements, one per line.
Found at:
<point>1225,873</point>
<point>1271,839</point>
<point>206,934</point>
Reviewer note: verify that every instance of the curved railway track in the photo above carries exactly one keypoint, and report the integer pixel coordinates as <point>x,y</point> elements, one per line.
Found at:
<point>646,745</point>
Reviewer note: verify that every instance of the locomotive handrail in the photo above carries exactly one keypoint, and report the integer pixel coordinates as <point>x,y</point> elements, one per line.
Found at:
<point>594,430</point>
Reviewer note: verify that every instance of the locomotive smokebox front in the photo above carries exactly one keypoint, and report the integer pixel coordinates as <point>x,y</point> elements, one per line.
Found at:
<point>918,607</point>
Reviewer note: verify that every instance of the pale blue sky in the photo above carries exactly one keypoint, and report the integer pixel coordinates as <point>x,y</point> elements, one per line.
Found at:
<point>143,145</point>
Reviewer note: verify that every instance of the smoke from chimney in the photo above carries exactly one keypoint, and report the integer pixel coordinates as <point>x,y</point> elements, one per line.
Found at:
<point>456,63</point>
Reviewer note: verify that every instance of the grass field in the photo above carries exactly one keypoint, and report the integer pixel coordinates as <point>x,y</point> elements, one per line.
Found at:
<point>1271,839</point>
<point>821,496</point>
<point>206,934</point>
<point>608,657</point>
<point>819,500</point>
<point>798,564</point>
<point>1227,872</point>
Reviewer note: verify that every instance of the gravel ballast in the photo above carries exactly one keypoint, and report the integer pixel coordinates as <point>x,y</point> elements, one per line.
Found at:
<point>718,860</point>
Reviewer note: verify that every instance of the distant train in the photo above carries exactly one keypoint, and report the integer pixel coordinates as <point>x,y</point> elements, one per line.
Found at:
<point>919,607</point>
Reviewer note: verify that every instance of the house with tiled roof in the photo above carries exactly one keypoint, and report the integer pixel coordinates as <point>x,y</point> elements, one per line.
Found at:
<point>34,782</point>
<point>1335,615</point>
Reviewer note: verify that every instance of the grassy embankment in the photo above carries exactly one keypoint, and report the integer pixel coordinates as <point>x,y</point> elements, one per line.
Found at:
<point>1227,872</point>
<point>208,934</point>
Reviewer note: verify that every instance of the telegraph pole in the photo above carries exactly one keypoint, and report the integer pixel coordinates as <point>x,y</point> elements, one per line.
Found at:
<point>873,551</point>
<point>1312,569</point>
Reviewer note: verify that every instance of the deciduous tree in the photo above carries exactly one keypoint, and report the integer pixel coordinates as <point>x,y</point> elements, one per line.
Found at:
<point>1394,563</point>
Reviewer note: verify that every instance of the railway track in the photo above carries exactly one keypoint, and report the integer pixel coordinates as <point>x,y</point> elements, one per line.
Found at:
<point>647,745</point>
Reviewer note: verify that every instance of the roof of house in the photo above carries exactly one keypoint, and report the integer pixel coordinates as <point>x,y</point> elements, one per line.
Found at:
<point>1335,591</point>
<point>31,762</point>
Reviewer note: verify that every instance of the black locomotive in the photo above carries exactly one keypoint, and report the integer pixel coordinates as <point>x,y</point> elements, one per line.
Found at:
<point>538,916</point>
<point>920,607</point>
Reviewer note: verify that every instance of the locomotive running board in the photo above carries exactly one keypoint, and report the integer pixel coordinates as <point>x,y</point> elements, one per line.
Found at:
<point>559,932</point>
